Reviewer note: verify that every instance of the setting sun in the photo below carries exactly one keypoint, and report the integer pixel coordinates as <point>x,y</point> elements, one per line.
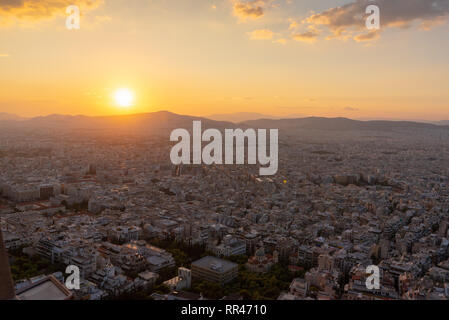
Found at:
<point>124,97</point>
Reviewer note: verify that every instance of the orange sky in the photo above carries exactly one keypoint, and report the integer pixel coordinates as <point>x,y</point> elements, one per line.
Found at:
<point>204,57</point>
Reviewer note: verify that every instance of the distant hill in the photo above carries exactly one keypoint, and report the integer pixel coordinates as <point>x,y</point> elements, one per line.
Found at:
<point>240,116</point>
<point>10,117</point>
<point>442,123</point>
<point>340,124</point>
<point>246,116</point>
<point>157,122</point>
<point>163,122</point>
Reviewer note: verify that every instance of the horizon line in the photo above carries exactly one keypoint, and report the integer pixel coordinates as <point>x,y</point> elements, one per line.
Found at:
<point>208,117</point>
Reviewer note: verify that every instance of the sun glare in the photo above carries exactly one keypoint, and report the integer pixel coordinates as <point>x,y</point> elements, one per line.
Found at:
<point>124,98</point>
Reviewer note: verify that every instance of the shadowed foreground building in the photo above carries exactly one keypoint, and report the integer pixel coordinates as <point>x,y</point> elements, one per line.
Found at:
<point>48,288</point>
<point>6,284</point>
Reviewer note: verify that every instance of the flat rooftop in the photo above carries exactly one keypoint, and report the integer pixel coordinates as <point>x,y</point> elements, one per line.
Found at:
<point>46,289</point>
<point>214,264</point>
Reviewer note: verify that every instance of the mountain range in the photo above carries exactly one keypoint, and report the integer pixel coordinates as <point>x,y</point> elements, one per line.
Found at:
<point>247,116</point>
<point>133,123</point>
<point>10,117</point>
<point>163,121</point>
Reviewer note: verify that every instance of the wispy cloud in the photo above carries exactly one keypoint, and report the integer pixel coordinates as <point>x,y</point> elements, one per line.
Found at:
<point>262,34</point>
<point>4,55</point>
<point>249,9</point>
<point>369,36</point>
<point>281,41</point>
<point>348,21</point>
<point>30,11</point>
<point>309,36</point>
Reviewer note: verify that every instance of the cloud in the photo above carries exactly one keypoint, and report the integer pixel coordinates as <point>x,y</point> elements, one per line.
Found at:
<point>249,9</point>
<point>349,21</point>
<point>294,25</point>
<point>369,36</point>
<point>262,34</point>
<point>309,36</point>
<point>351,109</point>
<point>29,11</point>
<point>281,41</point>
<point>4,55</point>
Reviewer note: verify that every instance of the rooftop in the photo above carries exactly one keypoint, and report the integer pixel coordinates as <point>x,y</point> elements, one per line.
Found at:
<point>214,264</point>
<point>48,288</point>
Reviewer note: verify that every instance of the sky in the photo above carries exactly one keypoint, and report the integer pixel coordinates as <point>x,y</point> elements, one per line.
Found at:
<point>202,57</point>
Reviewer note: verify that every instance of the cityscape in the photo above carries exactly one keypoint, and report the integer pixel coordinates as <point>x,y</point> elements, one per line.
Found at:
<point>214,158</point>
<point>348,194</point>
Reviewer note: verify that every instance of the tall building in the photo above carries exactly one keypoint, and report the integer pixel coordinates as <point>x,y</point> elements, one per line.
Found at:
<point>6,285</point>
